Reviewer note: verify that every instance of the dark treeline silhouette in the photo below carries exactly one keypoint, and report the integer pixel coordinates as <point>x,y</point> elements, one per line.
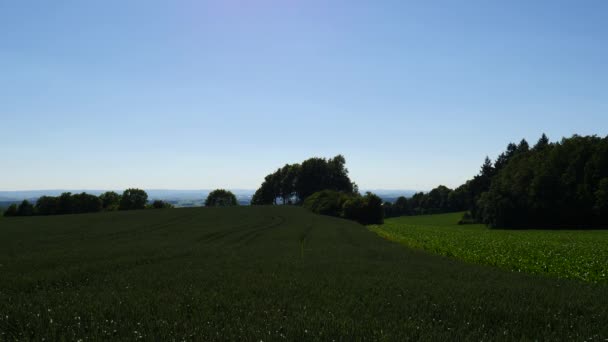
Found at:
<point>549,185</point>
<point>365,209</point>
<point>553,185</point>
<point>439,200</point>
<point>68,203</point>
<point>294,183</point>
<point>323,186</point>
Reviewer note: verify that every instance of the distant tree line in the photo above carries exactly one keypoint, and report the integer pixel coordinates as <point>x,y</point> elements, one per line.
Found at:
<point>68,203</point>
<point>439,200</point>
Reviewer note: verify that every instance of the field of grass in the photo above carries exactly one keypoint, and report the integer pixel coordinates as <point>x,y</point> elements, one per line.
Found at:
<point>579,255</point>
<point>265,273</point>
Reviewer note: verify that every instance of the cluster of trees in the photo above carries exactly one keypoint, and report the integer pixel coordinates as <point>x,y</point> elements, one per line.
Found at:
<point>220,198</point>
<point>293,183</point>
<point>439,200</point>
<point>365,209</point>
<point>68,203</point>
<point>323,186</point>
<point>561,184</point>
<point>554,185</point>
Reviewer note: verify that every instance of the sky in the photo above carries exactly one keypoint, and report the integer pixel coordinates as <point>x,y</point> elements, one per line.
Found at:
<point>210,94</point>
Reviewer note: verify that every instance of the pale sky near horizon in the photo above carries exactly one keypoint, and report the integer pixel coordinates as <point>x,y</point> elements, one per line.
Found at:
<point>219,93</point>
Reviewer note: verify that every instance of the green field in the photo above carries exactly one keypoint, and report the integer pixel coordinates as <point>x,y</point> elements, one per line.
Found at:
<point>576,254</point>
<point>265,273</point>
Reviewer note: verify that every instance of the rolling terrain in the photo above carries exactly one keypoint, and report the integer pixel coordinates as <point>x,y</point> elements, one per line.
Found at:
<point>265,273</point>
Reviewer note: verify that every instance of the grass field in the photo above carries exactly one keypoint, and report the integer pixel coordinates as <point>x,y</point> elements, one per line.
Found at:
<point>265,273</point>
<point>579,255</point>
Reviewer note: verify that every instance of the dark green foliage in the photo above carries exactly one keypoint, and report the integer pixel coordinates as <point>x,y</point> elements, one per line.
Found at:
<point>363,209</point>
<point>133,199</point>
<point>439,200</point>
<point>65,204</point>
<point>264,195</point>
<point>265,273</point>
<point>327,202</point>
<point>318,174</point>
<point>68,204</point>
<point>601,199</point>
<point>556,185</point>
<point>11,210</point>
<point>294,183</point>
<point>47,205</point>
<point>158,204</point>
<point>25,209</point>
<point>85,203</point>
<point>220,198</point>
<point>110,200</point>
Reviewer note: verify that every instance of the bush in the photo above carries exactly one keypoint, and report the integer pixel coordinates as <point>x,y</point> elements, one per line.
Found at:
<point>220,198</point>
<point>363,209</point>
<point>158,204</point>
<point>327,202</point>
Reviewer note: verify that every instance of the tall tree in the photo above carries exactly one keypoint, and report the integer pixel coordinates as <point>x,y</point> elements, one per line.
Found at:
<point>133,199</point>
<point>25,209</point>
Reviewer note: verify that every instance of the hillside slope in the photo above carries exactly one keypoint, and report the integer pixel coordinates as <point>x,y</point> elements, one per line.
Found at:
<point>264,273</point>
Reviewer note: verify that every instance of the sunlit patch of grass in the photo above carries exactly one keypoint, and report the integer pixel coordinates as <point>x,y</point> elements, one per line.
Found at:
<point>572,254</point>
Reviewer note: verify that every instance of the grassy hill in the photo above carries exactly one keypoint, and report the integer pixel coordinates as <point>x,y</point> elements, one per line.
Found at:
<point>264,273</point>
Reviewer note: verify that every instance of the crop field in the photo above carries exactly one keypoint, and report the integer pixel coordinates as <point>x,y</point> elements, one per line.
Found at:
<point>581,255</point>
<point>265,273</point>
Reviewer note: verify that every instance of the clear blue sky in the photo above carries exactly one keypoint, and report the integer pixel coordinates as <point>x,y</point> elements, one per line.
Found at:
<point>219,93</point>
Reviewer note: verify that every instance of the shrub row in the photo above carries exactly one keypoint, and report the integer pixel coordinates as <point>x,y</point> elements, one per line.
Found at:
<point>365,209</point>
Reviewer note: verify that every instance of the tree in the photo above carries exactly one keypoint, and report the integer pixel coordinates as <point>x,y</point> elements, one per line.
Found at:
<point>110,200</point>
<point>601,202</point>
<point>523,146</point>
<point>556,185</point>
<point>263,196</point>
<point>542,143</point>
<point>298,181</point>
<point>133,199</point>
<point>65,203</point>
<point>220,198</point>
<point>11,210</point>
<point>25,209</point>
<point>85,203</point>
<point>47,205</point>
<point>316,174</point>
